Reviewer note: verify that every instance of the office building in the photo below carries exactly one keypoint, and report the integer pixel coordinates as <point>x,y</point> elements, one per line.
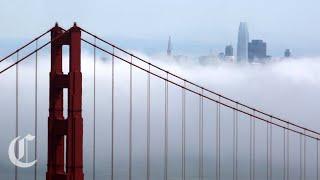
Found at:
<point>287,53</point>
<point>229,51</point>
<point>257,50</point>
<point>243,40</point>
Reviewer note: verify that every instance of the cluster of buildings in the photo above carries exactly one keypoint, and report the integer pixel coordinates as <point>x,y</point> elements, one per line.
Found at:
<point>254,51</point>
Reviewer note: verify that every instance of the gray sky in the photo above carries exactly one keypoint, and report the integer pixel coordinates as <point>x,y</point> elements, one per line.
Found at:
<point>196,26</point>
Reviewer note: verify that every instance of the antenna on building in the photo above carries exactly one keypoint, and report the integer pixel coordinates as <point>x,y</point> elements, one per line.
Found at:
<point>169,50</point>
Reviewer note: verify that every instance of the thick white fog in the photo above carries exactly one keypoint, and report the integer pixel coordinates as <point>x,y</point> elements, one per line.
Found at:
<point>287,88</point>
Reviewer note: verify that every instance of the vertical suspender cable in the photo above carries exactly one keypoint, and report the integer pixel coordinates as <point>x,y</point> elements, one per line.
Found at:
<point>251,143</point>
<point>112,116</point>
<point>202,124</point>
<point>130,122</point>
<point>233,145</point>
<point>218,164</point>
<point>254,147</point>
<point>304,154</point>
<point>17,110</point>
<point>301,175</point>
<point>237,128</point>
<point>199,140</point>
<point>217,176</point>
<point>317,140</point>
<point>288,155</point>
<point>219,138</point>
<point>250,151</point>
<point>166,130</point>
<point>148,124</point>
<point>270,148</point>
<point>183,165</point>
<point>235,142</point>
<point>94,112</point>
<point>284,153</point>
<point>235,132</point>
<point>201,135</point>
<point>36,114</point>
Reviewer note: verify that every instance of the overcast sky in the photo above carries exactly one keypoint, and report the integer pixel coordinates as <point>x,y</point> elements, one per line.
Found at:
<point>203,25</point>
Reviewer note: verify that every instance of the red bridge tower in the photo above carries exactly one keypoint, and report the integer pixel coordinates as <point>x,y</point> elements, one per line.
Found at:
<point>70,128</point>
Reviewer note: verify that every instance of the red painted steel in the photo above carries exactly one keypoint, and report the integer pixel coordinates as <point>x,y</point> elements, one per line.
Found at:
<point>70,128</point>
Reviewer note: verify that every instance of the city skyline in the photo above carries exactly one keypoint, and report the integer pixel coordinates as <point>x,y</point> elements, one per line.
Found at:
<point>225,52</point>
<point>247,50</point>
<point>156,47</point>
<point>198,28</point>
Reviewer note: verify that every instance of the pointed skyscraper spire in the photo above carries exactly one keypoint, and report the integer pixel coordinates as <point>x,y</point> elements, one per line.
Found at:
<point>243,40</point>
<point>169,50</point>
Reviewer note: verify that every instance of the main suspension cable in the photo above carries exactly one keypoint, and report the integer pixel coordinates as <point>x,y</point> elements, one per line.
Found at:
<point>196,85</point>
<point>33,52</point>
<point>205,96</point>
<point>22,47</point>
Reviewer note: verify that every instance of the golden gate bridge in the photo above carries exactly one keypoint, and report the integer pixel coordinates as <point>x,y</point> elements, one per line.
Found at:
<point>65,135</point>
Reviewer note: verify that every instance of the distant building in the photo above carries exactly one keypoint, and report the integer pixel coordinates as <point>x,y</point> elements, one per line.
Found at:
<point>221,56</point>
<point>229,51</point>
<point>257,49</point>
<point>287,53</point>
<point>169,50</point>
<point>207,59</point>
<point>243,40</point>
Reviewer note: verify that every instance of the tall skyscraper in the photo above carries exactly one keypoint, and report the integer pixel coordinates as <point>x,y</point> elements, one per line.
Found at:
<point>169,50</point>
<point>257,49</point>
<point>229,51</point>
<point>243,40</point>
